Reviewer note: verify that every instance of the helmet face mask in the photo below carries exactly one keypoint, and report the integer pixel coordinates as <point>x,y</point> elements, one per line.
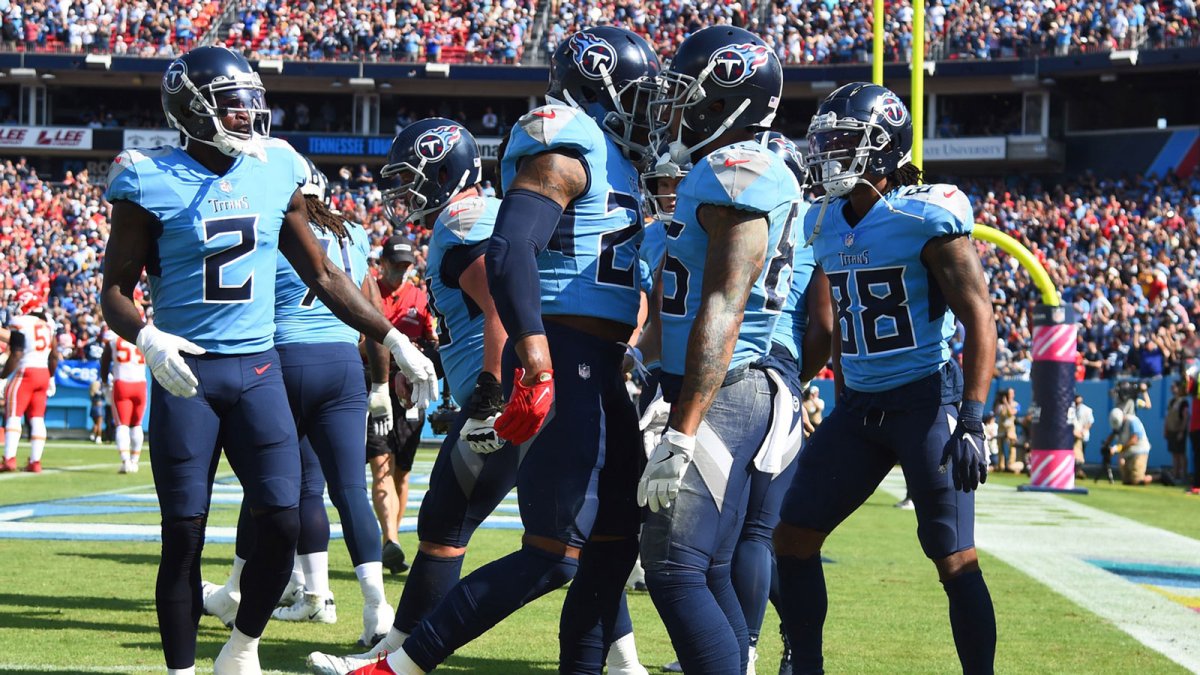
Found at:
<point>402,198</point>
<point>859,130</point>
<point>429,164</point>
<point>659,183</point>
<point>204,87</point>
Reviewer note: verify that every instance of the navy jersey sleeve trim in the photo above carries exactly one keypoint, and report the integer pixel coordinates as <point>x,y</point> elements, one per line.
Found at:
<point>524,225</point>
<point>456,261</point>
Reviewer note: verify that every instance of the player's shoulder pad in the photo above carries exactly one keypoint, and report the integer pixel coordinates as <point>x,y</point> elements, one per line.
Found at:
<point>747,176</point>
<point>550,127</point>
<point>281,150</point>
<point>128,161</point>
<point>946,209</point>
<point>461,217</point>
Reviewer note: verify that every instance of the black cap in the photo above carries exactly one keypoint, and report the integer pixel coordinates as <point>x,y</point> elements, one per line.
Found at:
<point>399,248</point>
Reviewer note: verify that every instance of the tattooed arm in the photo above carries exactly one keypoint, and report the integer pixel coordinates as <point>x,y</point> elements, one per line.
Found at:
<point>737,249</point>
<point>954,262</point>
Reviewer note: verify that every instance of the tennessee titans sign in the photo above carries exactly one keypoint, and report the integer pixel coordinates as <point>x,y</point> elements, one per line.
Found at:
<point>436,143</point>
<point>735,64</point>
<point>893,110</point>
<point>593,55</point>
<point>174,77</point>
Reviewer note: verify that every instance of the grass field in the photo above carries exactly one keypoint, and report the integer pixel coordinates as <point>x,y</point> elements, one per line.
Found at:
<point>87,606</point>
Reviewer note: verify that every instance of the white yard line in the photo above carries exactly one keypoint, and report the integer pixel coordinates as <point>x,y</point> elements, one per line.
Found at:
<point>1051,539</point>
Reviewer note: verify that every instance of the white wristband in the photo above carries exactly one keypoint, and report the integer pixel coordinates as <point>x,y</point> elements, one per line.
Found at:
<point>680,440</point>
<point>394,339</point>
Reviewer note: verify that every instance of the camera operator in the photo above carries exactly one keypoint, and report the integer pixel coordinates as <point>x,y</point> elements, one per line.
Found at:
<point>1128,441</point>
<point>1132,395</point>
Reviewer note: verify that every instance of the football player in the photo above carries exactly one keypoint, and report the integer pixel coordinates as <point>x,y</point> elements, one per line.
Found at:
<point>207,222</point>
<point>901,266</point>
<point>124,362</point>
<point>726,277</point>
<point>564,248</point>
<point>322,371</point>
<point>32,361</point>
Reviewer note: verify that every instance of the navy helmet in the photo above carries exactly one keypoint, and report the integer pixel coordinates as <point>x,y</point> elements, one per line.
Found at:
<point>721,78</point>
<point>788,151</point>
<point>429,163</point>
<point>315,184</point>
<point>601,71</point>
<point>208,83</point>
<point>860,128</point>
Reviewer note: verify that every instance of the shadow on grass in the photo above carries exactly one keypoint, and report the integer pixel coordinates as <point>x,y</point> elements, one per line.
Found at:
<point>139,559</point>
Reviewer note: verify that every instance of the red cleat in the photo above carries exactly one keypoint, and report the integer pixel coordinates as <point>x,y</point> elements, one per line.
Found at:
<point>380,667</point>
<point>9,464</point>
<point>34,467</point>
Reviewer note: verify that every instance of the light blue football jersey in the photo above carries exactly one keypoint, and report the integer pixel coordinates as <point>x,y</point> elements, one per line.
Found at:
<point>590,267</point>
<point>650,253</point>
<point>894,320</point>
<point>744,176</point>
<point>460,321</point>
<point>212,267</point>
<point>793,320</point>
<point>300,316</point>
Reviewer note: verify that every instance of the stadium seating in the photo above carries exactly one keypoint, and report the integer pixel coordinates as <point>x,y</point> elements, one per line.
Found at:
<point>147,28</point>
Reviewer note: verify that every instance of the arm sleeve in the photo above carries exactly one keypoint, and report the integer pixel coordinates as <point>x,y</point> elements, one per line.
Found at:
<point>458,259</point>
<point>523,228</point>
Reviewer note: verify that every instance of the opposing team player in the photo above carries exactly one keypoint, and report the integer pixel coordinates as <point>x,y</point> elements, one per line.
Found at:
<point>207,222</point>
<point>123,361</point>
<point>901,266</point>
<point>322,371</point>
<point>729,261</point>
<point>564,248</point>
<point>30,368</point>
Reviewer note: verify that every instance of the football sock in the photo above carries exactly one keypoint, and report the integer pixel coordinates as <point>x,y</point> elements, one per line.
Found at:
<point>429,580</point>
<point>234,582</point>
<point>592,608</point>
<point>136,435</point>
<point>190,670</point>
<point>370,580</point>
<point>239,655</point>
<point>268,569</point>
<point>402,664</point>
<point>392,643</point>
<point>315,567</point>
<point>753,562</point>
<point>177,590</point>
<point>803,601</point>
<point>360,527</point>
<point>37,438</point>
<point>12,437</point>
<point>123,443</point>
<point>622,653</point>
<point>484,598</point>
<point>973,621</point>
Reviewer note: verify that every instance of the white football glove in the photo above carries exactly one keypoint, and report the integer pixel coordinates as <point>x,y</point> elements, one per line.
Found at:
<point>660,481</point>
<point>653,424</point>
<point>415,366</point>
<point>162,352</point>
<point>379,409</point>
<point>481,435</point>
<point>51,387</point>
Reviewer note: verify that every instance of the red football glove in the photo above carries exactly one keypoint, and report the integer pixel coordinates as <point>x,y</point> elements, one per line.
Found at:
<point>527,407</point>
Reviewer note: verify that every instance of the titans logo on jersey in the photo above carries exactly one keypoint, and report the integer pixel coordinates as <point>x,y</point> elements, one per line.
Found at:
<point>212,270</point>
<point>300,317</point>
<point>894,321</point>
<point>744,176</point>
<point>460,321</point>
<point>590,266</point>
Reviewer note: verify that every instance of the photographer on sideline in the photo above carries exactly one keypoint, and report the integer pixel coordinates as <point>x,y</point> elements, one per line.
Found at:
<point>1127,440</point>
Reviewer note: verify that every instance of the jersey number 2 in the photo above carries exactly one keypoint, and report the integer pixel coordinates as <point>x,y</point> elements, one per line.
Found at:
<point>216,264</point>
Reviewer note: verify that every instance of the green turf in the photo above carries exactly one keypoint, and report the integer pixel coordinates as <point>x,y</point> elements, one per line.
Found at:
<point>88,607</point>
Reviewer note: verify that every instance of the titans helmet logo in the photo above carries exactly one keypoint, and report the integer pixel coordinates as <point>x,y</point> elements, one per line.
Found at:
<point>893,110</point>
<point>436,143</point>
<point>175,76</point>
<point>784,143</point>
<point>593,55</point>
<point>734,64</point>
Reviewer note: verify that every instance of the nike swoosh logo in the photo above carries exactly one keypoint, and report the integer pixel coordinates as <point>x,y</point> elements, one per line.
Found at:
<point>261,370</point>
<point>949,194</point>
<point>547,114</point>
<point>456,212</point>
<point>670,454</point>
<point>735,162</point>
<point>541,396</point>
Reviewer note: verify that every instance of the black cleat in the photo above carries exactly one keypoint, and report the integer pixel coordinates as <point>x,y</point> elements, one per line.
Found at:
<point>785,660</point>
<point>393,558</point>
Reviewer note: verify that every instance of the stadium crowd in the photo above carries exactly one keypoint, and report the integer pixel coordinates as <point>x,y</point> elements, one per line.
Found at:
<point>497,31</point>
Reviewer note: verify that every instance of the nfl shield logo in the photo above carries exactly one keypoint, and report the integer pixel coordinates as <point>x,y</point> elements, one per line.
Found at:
<point>849,241</point>
<point>225,186</point>
<point>585,371</point>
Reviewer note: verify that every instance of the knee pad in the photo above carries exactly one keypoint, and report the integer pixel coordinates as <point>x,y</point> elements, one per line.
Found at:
<point>553,570</point>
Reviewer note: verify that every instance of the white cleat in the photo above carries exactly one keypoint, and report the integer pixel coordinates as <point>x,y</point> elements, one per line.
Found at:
<point>133,466</point>
<point>377,620</point>
<point>220,602</point>
<point>637,577</point>
<point>293,594</point>
<point>313,607</point>
<point>124,467</point>
<point>328,664</point>
<point>673,667</point>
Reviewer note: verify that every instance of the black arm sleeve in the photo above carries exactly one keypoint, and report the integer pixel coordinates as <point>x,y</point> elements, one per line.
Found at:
<point>458,259</point>
<point>524,225</point>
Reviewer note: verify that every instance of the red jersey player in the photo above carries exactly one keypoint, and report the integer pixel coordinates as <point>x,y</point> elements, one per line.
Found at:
<point>127,366</point>
<point>31,361</point>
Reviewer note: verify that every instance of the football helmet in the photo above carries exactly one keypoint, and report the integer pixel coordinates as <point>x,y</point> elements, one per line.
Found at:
<point>860,128</point>
<point>660,196</point>
<point>429,163</point>
<point>601,71</point>
<point>787,150</point>
<point>315,184</point>
<point>208,83</point>
<point>721,78</point>
<point>29,301</point>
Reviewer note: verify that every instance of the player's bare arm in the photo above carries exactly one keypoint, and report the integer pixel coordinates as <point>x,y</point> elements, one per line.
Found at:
<point>105,362</point>
<point>473,281</point>
<point>955,265</point>
<point>14,357</point>
<point>737,249</point>
<point>333,286</point>
<point>835,347</point>
<point>124,260</point>
<point>560,177</point>
<point>650,340</point>
<point>819,333</point>
<point>377,355</point>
